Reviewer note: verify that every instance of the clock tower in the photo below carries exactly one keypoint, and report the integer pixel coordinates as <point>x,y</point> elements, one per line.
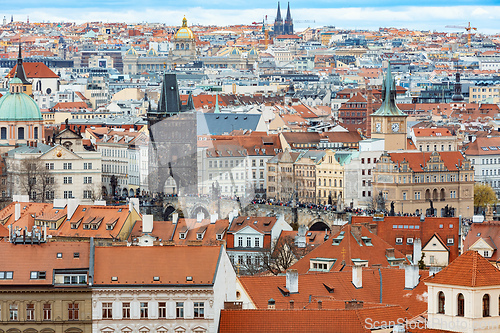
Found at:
<point>389,122</point>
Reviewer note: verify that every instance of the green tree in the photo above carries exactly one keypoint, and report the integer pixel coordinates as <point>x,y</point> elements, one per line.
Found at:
<point>483,195</point>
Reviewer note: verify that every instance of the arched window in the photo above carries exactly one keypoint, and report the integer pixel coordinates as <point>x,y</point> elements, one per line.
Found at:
<point>182,46</point>
<point>36,132</point>
<point>20,133</point>
<point>460,305</point>
<point>176,46</point>
<point>187,46</point>
<point>3,133</point>
<point>486,305</point>
<point>441,300</point>
<point>340,183</point>
<point>335,182</point>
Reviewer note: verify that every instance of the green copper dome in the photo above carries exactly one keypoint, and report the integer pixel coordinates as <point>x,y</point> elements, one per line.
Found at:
<point>18,107</point>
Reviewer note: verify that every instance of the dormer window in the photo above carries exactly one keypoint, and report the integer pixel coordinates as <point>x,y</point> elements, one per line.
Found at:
<point>399,240</point>
<point>199,236</point>
<point>450,241</point>
<point>182,235</point>
<point>219,236</point>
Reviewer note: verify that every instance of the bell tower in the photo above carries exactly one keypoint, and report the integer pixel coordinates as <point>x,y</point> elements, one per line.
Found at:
<point>389,122</point>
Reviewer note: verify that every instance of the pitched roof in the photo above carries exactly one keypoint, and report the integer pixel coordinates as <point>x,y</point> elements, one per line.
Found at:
<point>489,232</point>
<point>469,270</point>
<point>34,70</point>
<point>22,259</point>
<point>351,244</point>
<point>431,132</point>
<point>137,265</point>
<point>262,224</point>
<point>299,320</point>
<point>338,286</point>
<point>418,160</point>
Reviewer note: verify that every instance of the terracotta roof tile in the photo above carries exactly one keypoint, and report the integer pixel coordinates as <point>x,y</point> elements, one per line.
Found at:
<point>469,270</point>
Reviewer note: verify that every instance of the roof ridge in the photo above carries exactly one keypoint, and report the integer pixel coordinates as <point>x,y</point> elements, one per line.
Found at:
<point>474,268</point>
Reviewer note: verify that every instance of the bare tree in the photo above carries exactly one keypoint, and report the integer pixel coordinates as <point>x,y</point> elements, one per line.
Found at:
<point>280,256</point>
<point>36,180</point>
<point>94,191</point>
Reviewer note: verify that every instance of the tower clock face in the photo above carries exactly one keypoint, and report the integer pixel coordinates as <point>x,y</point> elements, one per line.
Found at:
<point>395,127</point>
<point>378,127</point>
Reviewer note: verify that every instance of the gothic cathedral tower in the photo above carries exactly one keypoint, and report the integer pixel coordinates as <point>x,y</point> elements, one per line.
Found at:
<point>389,122</point>
<point>278,23</point>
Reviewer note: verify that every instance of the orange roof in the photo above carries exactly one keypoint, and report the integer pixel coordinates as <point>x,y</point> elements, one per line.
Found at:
<point>35,70</point>
<point>418,160</point>
<point>22,259</point>
<point>103,222</point>
<point>136,265</point>
<point>338,286</point>
<point>431,132</point>
<point>489,232</point>
<point>300,320</point>
<point>469,270</point>
<point>347,246</point>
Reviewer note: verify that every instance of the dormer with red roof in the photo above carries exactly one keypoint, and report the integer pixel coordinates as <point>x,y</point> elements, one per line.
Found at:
<point>464,296</point>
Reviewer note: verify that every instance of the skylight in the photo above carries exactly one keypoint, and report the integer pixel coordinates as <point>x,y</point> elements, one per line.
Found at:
<point>493,148</point>
<point>484,148</point>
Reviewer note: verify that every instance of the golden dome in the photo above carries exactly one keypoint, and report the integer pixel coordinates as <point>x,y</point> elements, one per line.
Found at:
<point>184,32</point>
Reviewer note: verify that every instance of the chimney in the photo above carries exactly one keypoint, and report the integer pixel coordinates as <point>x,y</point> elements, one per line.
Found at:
<point>213,218</point>
<point>357,276</point>
<point>133,203</point>
<point>373,228</point>
<point>411,276</point>
<point>199,217</point>
<point>175,218</point>
<point>292,281</point>
<point>353,304</point>
<point>356,231</point>
<point>389,253</point>
<point>147,223</point>
<point>71,207</point>
<point>292,304</point>
<point>17,211</point>
<point>417,250</point>
<point>320,304</point>
<point>271,304</point>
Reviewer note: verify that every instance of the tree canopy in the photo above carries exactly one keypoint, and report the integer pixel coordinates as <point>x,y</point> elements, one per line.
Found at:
<point>484,195</point>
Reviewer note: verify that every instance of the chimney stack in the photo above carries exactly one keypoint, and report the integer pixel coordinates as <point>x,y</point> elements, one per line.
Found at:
<point>271,304</point>
<point>175,218</point>
<point>389,253</point>
<point>434,270</point>
<point>71,207</point>
<point>213,218</point>
<point>133,203</point>
<point>357,276</point>
<point>17,211</point>
<point>147,223</point>
<point>292,281</point>
<point>417,250</point>
<point>320,304</point>
<point>411,276</point>
<point>199,217</point>
<point>292,304</point>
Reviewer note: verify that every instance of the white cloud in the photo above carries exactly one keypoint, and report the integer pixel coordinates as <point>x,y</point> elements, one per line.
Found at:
<point>421,18</point>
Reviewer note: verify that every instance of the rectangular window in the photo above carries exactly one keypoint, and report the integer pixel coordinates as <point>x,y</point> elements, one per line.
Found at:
<point>49,166</point>
<point>249,242</point>
<point>144,309</point>
<point>107,310</point>
<point>47,311</point>
<point>87,166</point>
<point>240,241</point>
<point>67,166</point>
<point>126,310</point>
<point>13,312</point>
<point>162,310</point>
<point>87,180</point>
<point>257,242</point>
<point>199,309</point>
<point>30,311</point>
<point>72,311</point>
<point>35,275</point>
<point>179,308</point>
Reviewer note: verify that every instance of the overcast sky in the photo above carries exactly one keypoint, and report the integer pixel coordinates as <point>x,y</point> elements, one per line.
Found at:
<point>360,14</point>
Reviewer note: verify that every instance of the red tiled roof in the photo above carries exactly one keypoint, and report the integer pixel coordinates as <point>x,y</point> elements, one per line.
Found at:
<point>393,227</point>
<point>22,259</point>
<point>489,232</point>
<point>338,286</point>
<point>431,132</point>
<point>137,265</point>
<point>299,320</point>
<point>469,270</point>
<point>346,248</point>
<point>35,70</point>
<point>418,160</point>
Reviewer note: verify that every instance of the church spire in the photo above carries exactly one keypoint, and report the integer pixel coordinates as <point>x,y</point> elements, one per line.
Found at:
<point>288,14</point>
<point>388,107</point>
<point>20,68</point>
<point>278,14</point>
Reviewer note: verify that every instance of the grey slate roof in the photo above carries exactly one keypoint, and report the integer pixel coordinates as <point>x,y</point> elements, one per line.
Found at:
<point>220,123</point>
